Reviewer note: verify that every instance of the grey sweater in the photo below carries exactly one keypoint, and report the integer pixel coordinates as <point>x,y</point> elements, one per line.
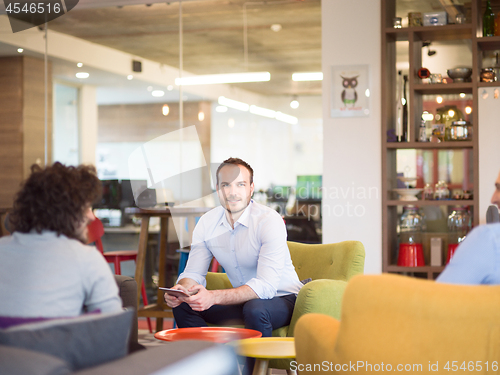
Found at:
<point>45,275</point>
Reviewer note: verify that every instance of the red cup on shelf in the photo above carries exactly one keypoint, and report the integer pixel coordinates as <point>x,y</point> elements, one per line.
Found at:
<point>451,251</point>
<point>411,255</point>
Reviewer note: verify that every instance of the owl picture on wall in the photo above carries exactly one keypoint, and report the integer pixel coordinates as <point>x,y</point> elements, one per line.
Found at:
<point>349,94</point>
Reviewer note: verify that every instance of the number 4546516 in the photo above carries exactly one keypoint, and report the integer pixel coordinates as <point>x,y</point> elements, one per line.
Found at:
<point>35,7</point>
<point>471,366</point>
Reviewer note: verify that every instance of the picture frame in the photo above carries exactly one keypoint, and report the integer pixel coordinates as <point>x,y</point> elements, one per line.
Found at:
<point>350,93</point>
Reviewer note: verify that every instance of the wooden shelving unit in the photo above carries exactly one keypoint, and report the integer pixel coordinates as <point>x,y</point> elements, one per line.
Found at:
<point>415,36</point>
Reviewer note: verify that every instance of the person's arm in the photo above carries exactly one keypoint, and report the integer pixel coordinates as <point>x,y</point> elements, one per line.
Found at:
<point>100,285</point>
<point>474,260</point>
<point>204,299</point>
<point>272,257</point>
<point>196,267</point>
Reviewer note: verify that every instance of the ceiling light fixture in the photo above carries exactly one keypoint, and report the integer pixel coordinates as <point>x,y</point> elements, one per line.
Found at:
<point>439,99</point>
<point>82,75</point>
<point>286,118</point>
<point>468,110</point>
<point>276,27</point>
<point>294,103</point>
<point>309,76</point>
<point>211,79</point>
<point>170,87</point>
<point>233,104</point>
<point>262,111</point>
<point>130,77</point>
<point>20,50</point>
<point>158,93</point>
<point>79,65</point>
<point>221,109</point>
<point>165,109</point>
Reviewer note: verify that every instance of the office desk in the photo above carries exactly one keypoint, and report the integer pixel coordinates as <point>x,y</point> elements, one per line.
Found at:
<point>159,310</point>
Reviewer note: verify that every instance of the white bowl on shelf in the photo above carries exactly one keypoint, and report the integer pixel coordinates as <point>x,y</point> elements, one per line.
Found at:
<point>408,194</point>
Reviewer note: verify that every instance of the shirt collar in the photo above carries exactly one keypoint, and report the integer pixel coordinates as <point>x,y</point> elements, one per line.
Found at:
<point>243,220</point>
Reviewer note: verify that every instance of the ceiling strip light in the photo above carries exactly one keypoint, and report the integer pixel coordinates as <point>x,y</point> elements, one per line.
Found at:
<point>233,104</point>
<point>223,78</point>
<point>286,118</point>
<point>262,111</point>
<point>311,76</point>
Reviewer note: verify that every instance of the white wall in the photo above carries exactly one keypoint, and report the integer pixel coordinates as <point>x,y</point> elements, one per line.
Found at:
<point>352,146</point>
<point>88,124</point>
<point>489,147</point>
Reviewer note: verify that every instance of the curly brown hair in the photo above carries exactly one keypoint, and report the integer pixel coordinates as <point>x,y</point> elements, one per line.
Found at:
<point>235,161</point>
<point>55,198</point>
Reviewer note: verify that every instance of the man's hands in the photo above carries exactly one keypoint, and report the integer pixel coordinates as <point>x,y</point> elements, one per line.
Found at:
<point>200,299</point>
<point>204,299</point>
<point>173,301</point>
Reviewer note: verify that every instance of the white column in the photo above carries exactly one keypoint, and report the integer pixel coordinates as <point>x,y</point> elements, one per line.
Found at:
<point>352,200</point>
<point>88,124</point>
<point>489,147</point>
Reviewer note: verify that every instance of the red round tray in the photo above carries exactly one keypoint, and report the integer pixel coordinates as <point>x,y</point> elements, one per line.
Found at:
<point>213,334</point>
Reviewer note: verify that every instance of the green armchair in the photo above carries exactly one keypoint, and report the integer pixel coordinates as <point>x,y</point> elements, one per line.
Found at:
<point>330,266</point>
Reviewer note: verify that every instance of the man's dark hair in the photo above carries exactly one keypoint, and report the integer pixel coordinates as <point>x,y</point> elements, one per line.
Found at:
<point>55,198</point>
<point>235,161</point>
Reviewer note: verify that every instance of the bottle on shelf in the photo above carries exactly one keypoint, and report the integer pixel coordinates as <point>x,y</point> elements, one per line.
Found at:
<point>411,252</point>
<point>488,21</point>
<point>422,133</point>
<point>459,225</point>
<point>402,110</point>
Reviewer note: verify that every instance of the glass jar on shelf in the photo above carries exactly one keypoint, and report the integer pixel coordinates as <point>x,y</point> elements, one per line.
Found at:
<point>441,191</point>
<point>459,225</point>
<point>411,252</point>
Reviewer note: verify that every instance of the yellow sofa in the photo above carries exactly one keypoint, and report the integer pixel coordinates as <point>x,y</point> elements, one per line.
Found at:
<point>401,324</point>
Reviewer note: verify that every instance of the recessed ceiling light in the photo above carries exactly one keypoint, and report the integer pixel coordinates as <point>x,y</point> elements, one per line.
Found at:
<point>79,65</point>
<point>294,104</point>
<point>462,95</point>
<point>82,75</point>
<point>276,27</point>
<point>158,93</point>
<point>20,50</point>
<point>130,77</point>
<point>170,87</point>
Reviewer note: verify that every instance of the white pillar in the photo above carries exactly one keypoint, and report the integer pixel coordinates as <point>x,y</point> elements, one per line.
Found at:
<point>88,124</point>
<point>351,35</point>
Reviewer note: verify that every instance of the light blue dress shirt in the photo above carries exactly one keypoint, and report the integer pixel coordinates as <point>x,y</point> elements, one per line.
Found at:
<point>477,259</point>
<point>254,253</point>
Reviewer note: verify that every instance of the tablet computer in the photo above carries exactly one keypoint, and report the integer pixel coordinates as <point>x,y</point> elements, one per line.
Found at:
<point>175,292</point>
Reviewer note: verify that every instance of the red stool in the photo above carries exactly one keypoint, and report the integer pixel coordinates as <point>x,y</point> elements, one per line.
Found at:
<point>95,232</point>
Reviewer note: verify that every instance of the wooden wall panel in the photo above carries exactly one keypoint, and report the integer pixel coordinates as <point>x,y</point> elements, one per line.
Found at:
<point>11,121</point>
<point>21,121</point>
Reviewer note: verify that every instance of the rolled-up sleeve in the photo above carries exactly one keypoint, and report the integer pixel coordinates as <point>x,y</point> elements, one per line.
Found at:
<point>199,257</point>
<point>272,257</point>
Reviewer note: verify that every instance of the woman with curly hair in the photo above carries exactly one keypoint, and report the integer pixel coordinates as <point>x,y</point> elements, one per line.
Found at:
<point>46,270</point>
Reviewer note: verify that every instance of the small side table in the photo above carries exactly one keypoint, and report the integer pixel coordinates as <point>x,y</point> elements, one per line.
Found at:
<point>265,348</point>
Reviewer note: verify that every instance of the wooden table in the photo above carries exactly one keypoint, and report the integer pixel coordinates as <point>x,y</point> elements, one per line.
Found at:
<point>265,348</point>
<point>159,310</point>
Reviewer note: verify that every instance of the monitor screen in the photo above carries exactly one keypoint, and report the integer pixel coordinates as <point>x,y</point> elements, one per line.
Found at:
<point>309,187</point>
<point>111,195</point>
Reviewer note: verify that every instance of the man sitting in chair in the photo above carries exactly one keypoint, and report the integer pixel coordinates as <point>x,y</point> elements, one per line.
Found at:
<point>477,259</point>
<point>249,241</point>
<point>45,268</point>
